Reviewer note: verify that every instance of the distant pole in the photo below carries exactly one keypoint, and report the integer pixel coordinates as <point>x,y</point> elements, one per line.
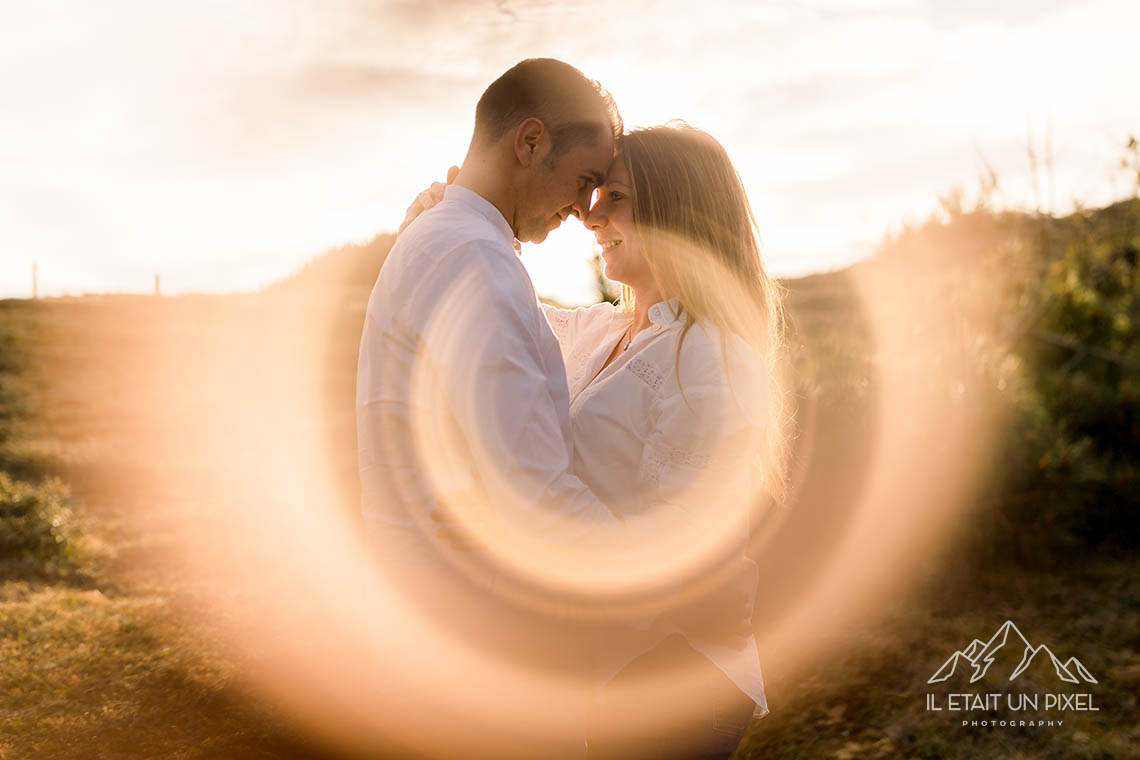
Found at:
<point>156,283</point>
<point>35,282</point>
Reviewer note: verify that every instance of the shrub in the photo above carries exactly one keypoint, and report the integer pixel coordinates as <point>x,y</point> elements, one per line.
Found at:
<point>36,523</point>
<point>1049,316</point>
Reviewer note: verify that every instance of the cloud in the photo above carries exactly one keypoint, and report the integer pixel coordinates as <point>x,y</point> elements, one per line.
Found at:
<point>1012,12</point>
<point>207,131</point>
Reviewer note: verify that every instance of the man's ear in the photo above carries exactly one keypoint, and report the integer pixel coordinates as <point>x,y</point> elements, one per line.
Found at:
<point>530,137</point>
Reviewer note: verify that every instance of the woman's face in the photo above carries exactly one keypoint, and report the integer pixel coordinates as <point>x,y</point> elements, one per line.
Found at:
<point>611,219</point>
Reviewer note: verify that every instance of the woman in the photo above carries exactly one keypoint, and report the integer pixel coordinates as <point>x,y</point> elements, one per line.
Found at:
<point>675,406</point>
<point>673,398</point>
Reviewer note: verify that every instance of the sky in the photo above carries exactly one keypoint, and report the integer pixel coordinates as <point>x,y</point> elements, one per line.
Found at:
<point>223,144</point>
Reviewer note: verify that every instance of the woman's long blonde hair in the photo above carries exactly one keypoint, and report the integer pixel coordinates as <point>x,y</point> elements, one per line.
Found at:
<point>702,244</point>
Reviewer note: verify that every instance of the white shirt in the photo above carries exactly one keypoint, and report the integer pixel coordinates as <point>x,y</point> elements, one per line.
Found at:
<point>461,388</point>
<point>651,430</point>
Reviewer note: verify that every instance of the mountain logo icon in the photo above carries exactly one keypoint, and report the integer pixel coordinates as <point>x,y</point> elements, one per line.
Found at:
<point>1008,645</point>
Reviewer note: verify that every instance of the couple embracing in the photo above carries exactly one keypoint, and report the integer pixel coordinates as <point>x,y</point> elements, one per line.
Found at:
<point>568,492</point>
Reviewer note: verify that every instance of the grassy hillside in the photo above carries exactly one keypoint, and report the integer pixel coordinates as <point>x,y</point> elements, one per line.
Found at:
<point>127,423</point>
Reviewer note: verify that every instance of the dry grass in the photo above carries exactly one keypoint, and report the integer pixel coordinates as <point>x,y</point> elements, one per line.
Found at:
<point>867,700</point>
<point>115,653</point>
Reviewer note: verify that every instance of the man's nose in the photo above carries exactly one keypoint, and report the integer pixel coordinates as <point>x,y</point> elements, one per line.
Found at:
<point>581,204</point>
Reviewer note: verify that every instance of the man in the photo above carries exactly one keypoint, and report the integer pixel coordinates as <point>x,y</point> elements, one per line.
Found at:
<point>462,403</point>
<point>455,352</point>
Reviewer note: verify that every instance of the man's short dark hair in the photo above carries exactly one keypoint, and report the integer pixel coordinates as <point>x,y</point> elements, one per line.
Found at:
<point>575,109</point>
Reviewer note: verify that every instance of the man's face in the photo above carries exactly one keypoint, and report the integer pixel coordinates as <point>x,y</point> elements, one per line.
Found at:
<point>560,186</point>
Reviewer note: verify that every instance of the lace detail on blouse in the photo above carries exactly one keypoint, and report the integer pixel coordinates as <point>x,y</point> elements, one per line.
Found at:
<point>651,467</point>
<point>658,453</point>
<point>674,455</point>
<point>646,372</point>
<point>576,366</point>
<point>559,323</point>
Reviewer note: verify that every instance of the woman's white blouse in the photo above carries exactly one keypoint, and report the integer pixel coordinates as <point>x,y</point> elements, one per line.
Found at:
<point>657,430</point>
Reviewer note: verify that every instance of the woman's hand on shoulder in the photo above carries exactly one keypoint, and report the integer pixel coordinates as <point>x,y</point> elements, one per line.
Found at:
<point>428,198</point>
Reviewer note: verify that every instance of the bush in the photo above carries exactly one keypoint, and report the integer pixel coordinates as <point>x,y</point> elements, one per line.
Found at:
<point>36,523</point>
<point>1080,408</point>
<point>1048,314</point>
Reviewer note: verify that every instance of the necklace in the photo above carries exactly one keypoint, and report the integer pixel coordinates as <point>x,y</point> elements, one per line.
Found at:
<point>628,338</point>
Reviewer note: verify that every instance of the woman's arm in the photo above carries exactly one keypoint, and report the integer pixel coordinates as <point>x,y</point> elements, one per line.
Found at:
<point>428,198</point>
<point>697,467</point>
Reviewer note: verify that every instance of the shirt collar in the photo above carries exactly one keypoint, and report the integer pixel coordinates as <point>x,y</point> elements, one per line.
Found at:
<point>483,207</point>
<point>666,313</point>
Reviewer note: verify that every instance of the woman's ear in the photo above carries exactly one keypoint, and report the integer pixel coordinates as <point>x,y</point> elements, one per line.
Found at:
<point>529,137</point>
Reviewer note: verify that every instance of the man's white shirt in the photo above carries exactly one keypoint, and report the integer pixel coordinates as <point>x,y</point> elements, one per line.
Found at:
<point>461,389</point>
